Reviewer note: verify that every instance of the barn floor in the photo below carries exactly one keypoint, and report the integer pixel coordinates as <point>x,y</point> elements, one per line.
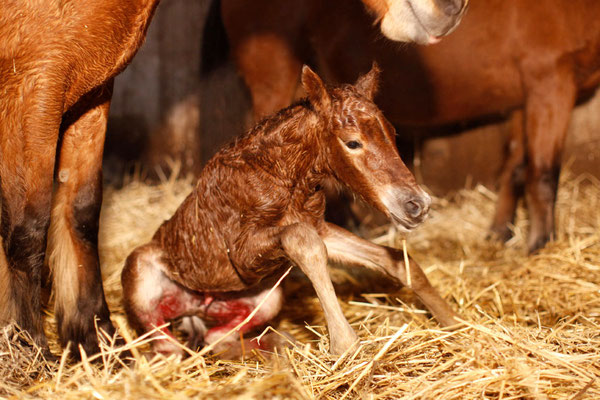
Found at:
<point>532,323</point>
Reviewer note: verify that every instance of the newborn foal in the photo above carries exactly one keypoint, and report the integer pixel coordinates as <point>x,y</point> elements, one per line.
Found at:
<point>258,208</point>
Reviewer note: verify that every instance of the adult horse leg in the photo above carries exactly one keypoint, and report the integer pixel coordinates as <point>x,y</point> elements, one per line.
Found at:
<point>345,247</point>
<point>512,179</point>
<point>268,56</point>
<point>73,242</point>
<point>30,115</point>
<point>551,97</point>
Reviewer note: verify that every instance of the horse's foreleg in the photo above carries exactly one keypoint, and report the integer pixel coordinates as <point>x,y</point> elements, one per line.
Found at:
<point>73,241</point>
<point>306,249</point>
<point>550,100</point>
<point>345,247</point>
<point>512,179</point>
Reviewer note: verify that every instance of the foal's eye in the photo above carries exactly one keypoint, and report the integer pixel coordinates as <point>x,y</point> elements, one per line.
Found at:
<point>353,144</point>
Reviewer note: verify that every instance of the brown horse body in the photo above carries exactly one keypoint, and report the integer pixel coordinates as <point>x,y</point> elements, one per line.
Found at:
<point>531,59</point>
<point>257,208</point>
<point>57,61</point>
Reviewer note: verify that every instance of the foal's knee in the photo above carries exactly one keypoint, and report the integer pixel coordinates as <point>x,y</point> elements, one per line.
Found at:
<point>302,241</point>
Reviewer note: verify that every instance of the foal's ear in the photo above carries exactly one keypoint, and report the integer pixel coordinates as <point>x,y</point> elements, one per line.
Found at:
<point>315,89</point>
<point>368,84</point>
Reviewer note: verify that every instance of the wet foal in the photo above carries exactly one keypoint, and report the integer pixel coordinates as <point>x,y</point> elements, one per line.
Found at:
<point>258,208</point>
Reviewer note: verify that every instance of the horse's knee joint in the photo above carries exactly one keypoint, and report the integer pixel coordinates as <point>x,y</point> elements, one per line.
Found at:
<point>302,238</point>
<point>544,185</point>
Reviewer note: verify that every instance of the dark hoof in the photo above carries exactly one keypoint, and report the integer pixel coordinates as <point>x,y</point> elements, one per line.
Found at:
<point>538,244</point>
<point>23,339</point>
<point>500,233</point>
<point>84,336</point>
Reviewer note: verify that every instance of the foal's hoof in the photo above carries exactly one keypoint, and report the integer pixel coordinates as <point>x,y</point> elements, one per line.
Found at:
<point>450,322</point>
<point>339,346</point>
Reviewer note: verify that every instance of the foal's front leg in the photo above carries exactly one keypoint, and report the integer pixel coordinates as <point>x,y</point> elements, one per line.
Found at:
<point>304,247</point>
<point>345,247</point>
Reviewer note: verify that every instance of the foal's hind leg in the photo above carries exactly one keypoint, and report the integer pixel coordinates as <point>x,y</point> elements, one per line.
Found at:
<point>512,179</point>
<point>345,247</point>
<point>73,241</point>
<point>151,300</point>
<point>551,97</point>
<point>229,311</point>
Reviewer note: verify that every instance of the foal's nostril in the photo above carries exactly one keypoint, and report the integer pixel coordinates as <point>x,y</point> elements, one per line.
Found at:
<point>418,206</point>
<point>414,208</point>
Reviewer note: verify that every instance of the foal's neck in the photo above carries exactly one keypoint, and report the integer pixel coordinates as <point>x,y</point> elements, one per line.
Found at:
<point>290,143</point>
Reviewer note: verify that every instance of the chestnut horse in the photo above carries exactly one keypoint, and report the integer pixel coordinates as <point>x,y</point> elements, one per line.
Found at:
<point>258,208</point>
<point>529,59</point>
<point>57,64</point>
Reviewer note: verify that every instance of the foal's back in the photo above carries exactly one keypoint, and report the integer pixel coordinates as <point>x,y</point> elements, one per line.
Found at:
<point>262,179</point>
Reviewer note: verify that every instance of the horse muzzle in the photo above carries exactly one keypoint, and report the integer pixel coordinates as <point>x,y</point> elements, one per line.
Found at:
<point>422,21</point>
<point>407,209</point>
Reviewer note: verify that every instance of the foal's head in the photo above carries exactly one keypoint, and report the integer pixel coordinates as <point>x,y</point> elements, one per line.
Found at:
<point>359,145</point>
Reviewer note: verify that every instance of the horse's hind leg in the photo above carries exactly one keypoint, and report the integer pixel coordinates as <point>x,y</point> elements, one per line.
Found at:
<point>551,97</point>
<point>29,124</point>
<point>227,313</point>
<point>152,299</point>
<point>73,241</point>
<point>512,179</point>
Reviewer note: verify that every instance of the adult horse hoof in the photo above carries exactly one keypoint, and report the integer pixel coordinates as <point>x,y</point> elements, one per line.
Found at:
<point>500,233</point>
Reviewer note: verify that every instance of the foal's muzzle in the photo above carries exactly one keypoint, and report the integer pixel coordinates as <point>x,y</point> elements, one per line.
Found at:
<point>407,209</point>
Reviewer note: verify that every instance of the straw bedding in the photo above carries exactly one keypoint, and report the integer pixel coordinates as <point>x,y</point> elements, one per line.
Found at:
<point>532,323</point>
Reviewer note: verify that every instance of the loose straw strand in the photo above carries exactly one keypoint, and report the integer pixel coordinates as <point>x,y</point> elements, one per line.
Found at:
<point>406,264</point>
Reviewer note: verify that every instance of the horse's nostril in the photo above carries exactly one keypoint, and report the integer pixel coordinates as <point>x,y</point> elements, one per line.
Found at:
<point>452,7</point>
<point>414,208</point>
<point>417,206</point>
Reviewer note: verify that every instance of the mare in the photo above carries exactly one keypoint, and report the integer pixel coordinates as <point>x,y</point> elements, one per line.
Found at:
<point>258,208</point>
<point>57,63</point>
<point>527,60</point>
